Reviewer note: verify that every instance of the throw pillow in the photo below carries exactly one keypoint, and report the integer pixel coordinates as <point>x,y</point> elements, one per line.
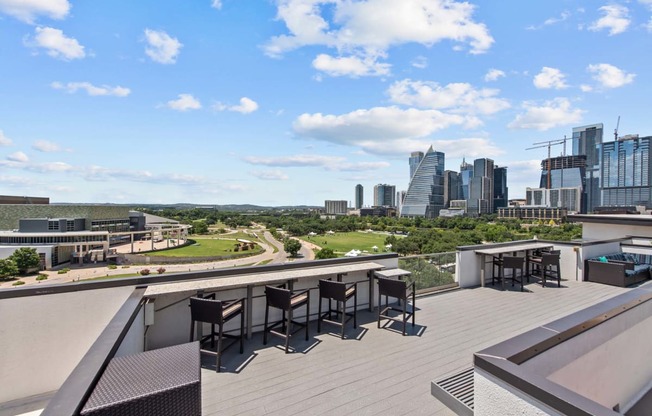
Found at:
<point>603,259</point>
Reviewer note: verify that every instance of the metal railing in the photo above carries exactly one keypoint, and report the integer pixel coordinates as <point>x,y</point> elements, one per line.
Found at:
<point>431,272</point>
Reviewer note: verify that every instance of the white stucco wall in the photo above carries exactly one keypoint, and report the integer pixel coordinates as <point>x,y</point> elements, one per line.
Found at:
<point>597,231</point>
<point>43,338</point>
<point>492,397</point>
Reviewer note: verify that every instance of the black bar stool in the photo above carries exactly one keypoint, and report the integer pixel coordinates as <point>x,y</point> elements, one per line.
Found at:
<point>514,263</point>
<point>287,301</point>
<point>550,268</point>
<point>341,293</point>
<point>400,290</point>
<point>216,312</point>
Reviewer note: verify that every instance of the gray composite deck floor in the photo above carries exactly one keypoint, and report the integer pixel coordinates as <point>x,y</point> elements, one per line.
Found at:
<point>382,372</point>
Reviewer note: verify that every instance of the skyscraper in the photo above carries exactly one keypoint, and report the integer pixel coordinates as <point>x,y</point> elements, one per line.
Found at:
<point>359,196</point>
<point>415,159</point>
<point>481,188</point>
<point>566,172</point>
<point>626,172</point>
<point>586,142</point>
<point>466,173</point>
<point>384,195</point>
<point>500,188</point>
<point>425,194</point>
<point>452,187</point>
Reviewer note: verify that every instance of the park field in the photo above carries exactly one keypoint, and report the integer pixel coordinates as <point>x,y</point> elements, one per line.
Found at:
<point>342,243</point>
<point>206,246</point>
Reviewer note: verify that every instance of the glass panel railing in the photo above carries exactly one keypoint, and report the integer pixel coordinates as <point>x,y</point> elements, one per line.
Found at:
<point>430,271</point>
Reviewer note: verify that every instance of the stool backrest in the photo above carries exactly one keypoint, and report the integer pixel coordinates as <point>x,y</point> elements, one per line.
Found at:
<point>550,260</point>
<point>513,262</point>
<point>331,289</point>
<point>278,297</point>
<point>393,288</point>
<point>206,310</point>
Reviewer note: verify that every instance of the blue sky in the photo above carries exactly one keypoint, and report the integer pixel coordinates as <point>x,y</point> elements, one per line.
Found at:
<point>293,102</point>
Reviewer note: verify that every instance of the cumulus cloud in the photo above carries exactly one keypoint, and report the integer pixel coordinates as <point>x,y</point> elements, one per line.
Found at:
<point>270,175</point>
<point>615,19</point>
<point>493,75</point>
<point>93,90</point>
<point>28,10</point>
<point>18,157</point>
<point>553,113</point>
<point>352,66</point>
<point>56,44</point>
<point>550,78</point>
<point>359,30</point>
<point>161,47</point>
<point>216,4</point>
<point>246,106</point>
<point>362,127</point>
<point>609,76</point>
<point>185,102</point>
<point>457,97</point>
<point>46,146</point>
<point>4,140</point>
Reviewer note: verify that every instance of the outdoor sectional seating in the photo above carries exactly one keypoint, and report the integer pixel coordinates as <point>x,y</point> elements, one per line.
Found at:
<point>618,269</point>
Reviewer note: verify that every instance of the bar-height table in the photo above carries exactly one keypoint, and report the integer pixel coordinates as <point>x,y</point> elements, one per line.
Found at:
<point>499,251</point>
<point>249,281</point>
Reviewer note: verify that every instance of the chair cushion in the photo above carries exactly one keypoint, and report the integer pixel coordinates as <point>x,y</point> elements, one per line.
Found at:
<point>297,300</point>
<point>630,258</point>
<point>350,291</point>
<point>232,309</point>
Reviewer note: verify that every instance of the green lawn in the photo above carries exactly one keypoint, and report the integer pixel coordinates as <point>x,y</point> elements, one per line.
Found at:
<point>207,246</point>
<point>341,243</point>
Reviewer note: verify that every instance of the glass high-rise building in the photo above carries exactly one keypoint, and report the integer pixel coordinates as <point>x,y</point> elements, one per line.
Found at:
<point>625,172</point>
<point>586,142</point>
<point>466,173</point>
<point>566,172</point>
<point>451,187</point>
<point>415,159</point>
<point>481,188</point>
<point>384,195</point>
<point>359,196</point>
<point>501,196</point>
<point>425,194</point>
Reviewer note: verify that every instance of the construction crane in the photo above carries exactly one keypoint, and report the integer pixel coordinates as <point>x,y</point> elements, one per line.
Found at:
<point>549,144</point>
<point>616,130</point>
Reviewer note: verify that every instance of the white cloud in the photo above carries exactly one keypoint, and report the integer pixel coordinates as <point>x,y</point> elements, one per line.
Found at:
<point>185,102</point>
<point>28,10</point>
<point>93,90</point>
<point>646,2</point>
<point>350,66</point>
<point>46,146</point>
<point>553,113</point>
<point>161,47</point>
<point>270,175</point>
<point>367,29</point>
<point>493,75</point>
<point>56,43</point>
<point>420,62</point>
<point>615,18</point>
<point>4,140</point>
<point>586,88</point>
<point>246,106</point>
<point>550,78</point>
<point>648,26</point>
<point>458,97</point>
<point>610,76</point>
<point>18,157</point>
<point>216,4</point>
<point>331,163</point>
<point>552,21</point>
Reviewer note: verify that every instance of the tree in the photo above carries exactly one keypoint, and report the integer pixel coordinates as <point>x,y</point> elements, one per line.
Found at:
<point>8,268</point>
<point>26,258</point>
<point>292,246</point>
<point>199,227</point>
<point>325,253</point>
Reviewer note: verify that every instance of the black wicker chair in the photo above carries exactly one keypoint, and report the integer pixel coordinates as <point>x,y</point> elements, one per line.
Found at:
<point>217,313</point>
<point>400,290</point>
<point>287,301</point>
<point>550,268</point>
<point>340,293</point>
<point>514,263</point>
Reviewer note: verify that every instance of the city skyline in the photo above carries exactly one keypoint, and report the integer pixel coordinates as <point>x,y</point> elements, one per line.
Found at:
<point>294,102</point>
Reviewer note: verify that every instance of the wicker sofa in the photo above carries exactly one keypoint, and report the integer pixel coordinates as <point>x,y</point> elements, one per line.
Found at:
<point>618,269</point>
